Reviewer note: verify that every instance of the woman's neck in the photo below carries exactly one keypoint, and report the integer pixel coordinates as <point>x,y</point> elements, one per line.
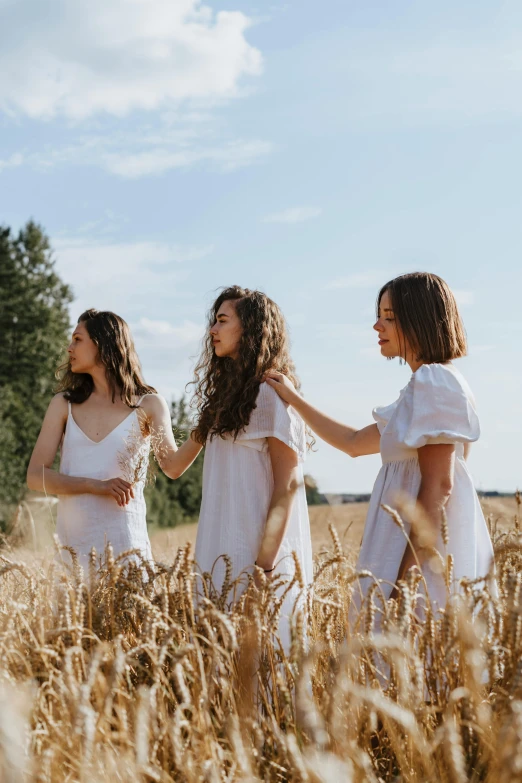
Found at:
<point>101,386</point>
<point>414,364</point>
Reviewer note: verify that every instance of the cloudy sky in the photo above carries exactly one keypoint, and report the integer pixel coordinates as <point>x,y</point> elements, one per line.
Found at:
<point>313,150</point>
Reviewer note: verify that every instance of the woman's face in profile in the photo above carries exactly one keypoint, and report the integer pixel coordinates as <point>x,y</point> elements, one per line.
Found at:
<point>82,350</point>
<point>226,331</point>
<point>391,339</point>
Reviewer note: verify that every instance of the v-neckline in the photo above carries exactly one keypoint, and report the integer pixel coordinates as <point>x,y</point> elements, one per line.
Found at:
<point>97,442</point>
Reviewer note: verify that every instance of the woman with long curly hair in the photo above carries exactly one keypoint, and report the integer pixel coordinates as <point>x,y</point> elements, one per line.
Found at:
<point>254,502</point>
<point>102,420</point>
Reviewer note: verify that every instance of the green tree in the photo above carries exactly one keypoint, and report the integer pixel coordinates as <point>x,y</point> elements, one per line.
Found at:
<point>34,326</point>
<point>171,503</point>
<point>313,496</point>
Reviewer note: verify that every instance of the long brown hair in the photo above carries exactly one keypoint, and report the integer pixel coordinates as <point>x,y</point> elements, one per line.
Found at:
<point>226,388</point>
<point>116,352</point>
<point>427,314</point>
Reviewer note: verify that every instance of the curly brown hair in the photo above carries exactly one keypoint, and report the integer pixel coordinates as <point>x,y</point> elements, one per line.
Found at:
<point>226,388</point>
<point>116,352</point>
<point>428,316</point>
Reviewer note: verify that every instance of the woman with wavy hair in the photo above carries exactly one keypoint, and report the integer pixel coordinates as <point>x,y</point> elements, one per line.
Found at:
<point>254,503</point>
<point>423,438</point>
<point>102,420</point>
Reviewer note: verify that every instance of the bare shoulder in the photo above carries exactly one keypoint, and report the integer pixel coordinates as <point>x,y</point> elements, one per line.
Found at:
<point>58,404</point>
<point>154,404</point>
<point>56,414</point>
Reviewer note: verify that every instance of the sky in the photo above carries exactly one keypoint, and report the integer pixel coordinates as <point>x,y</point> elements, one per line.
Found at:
<point>312,150</point>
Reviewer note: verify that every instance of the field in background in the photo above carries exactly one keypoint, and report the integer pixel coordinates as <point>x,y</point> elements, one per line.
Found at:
<point>348,520</point>
<point>38,519</point>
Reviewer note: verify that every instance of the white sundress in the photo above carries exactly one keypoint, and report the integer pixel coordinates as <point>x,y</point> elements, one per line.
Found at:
<point>436,406</point>
<point>237,490</point>
<point>87,521</point>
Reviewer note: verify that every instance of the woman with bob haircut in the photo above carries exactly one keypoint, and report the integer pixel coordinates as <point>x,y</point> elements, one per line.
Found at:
<point>423,438</point>
<point>102,419</point>
<point>254,502</point>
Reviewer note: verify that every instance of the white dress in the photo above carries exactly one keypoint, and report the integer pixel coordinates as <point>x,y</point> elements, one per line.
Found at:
<point>237,490</point>
<point>87,521</point>
<point>436,406</point>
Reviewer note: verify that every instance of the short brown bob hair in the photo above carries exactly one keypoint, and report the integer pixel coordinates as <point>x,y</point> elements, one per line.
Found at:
<point>427,314</point>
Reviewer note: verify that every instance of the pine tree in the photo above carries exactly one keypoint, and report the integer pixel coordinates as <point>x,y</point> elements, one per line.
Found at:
<point>34,326</point>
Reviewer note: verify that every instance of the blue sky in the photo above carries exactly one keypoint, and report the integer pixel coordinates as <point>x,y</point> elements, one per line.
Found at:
<point>313,150</point>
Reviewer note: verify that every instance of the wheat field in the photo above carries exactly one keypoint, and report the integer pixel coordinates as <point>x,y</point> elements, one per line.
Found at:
<point>127,680</point>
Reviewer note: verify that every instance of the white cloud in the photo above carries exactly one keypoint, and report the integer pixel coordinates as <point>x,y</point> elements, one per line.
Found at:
<point>293,215</point>
<point>151,150</point>
<point>167,349</point>
<point>185,334</point>
<point>172,63</point>
<point>16,159</point>
<point>124,276</point>
<point>116,56</point>
<point>231,156</point>
<point>128,256</point>
<point>358,280</point>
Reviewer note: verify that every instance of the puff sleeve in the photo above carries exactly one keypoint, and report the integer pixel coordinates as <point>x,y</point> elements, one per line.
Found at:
<point>438,409</point>
<point>274,418</point>
<point>383,414</point>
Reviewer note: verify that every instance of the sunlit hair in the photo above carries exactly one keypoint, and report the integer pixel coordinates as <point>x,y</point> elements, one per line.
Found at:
<point>428,317</point>
<point>116,353</point>
<point>226,388</point>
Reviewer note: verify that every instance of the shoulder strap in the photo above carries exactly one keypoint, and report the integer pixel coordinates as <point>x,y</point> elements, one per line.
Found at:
<point>138,403</point>
<point>69,415</point>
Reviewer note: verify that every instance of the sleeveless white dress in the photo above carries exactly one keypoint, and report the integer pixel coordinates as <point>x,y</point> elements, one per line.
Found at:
<point>436,406</point>
<point>87,521</point>
<point>237,489</point>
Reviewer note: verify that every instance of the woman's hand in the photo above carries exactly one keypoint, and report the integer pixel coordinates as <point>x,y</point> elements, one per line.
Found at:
<point>119,489</point>
<point>283,386</point>
<point>172,460</point>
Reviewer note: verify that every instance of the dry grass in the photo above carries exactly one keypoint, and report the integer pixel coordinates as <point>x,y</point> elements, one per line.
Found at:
<point>128,680</point>
<point>348,521</point>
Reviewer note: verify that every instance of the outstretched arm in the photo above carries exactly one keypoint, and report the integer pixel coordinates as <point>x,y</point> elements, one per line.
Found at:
<point>42,477</point>
<point>172,460</point>
<point>353,442</point>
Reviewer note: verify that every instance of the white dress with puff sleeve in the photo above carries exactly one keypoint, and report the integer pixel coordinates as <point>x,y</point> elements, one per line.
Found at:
<point>237,489</point>
<point>436,406</point>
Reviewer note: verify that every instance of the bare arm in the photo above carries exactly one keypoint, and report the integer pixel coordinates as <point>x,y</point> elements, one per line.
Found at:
<point>285,470</point>
<point>353,442</point>
<point>437,464</point>
<point>41,476</point>
<point>172,460</point>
